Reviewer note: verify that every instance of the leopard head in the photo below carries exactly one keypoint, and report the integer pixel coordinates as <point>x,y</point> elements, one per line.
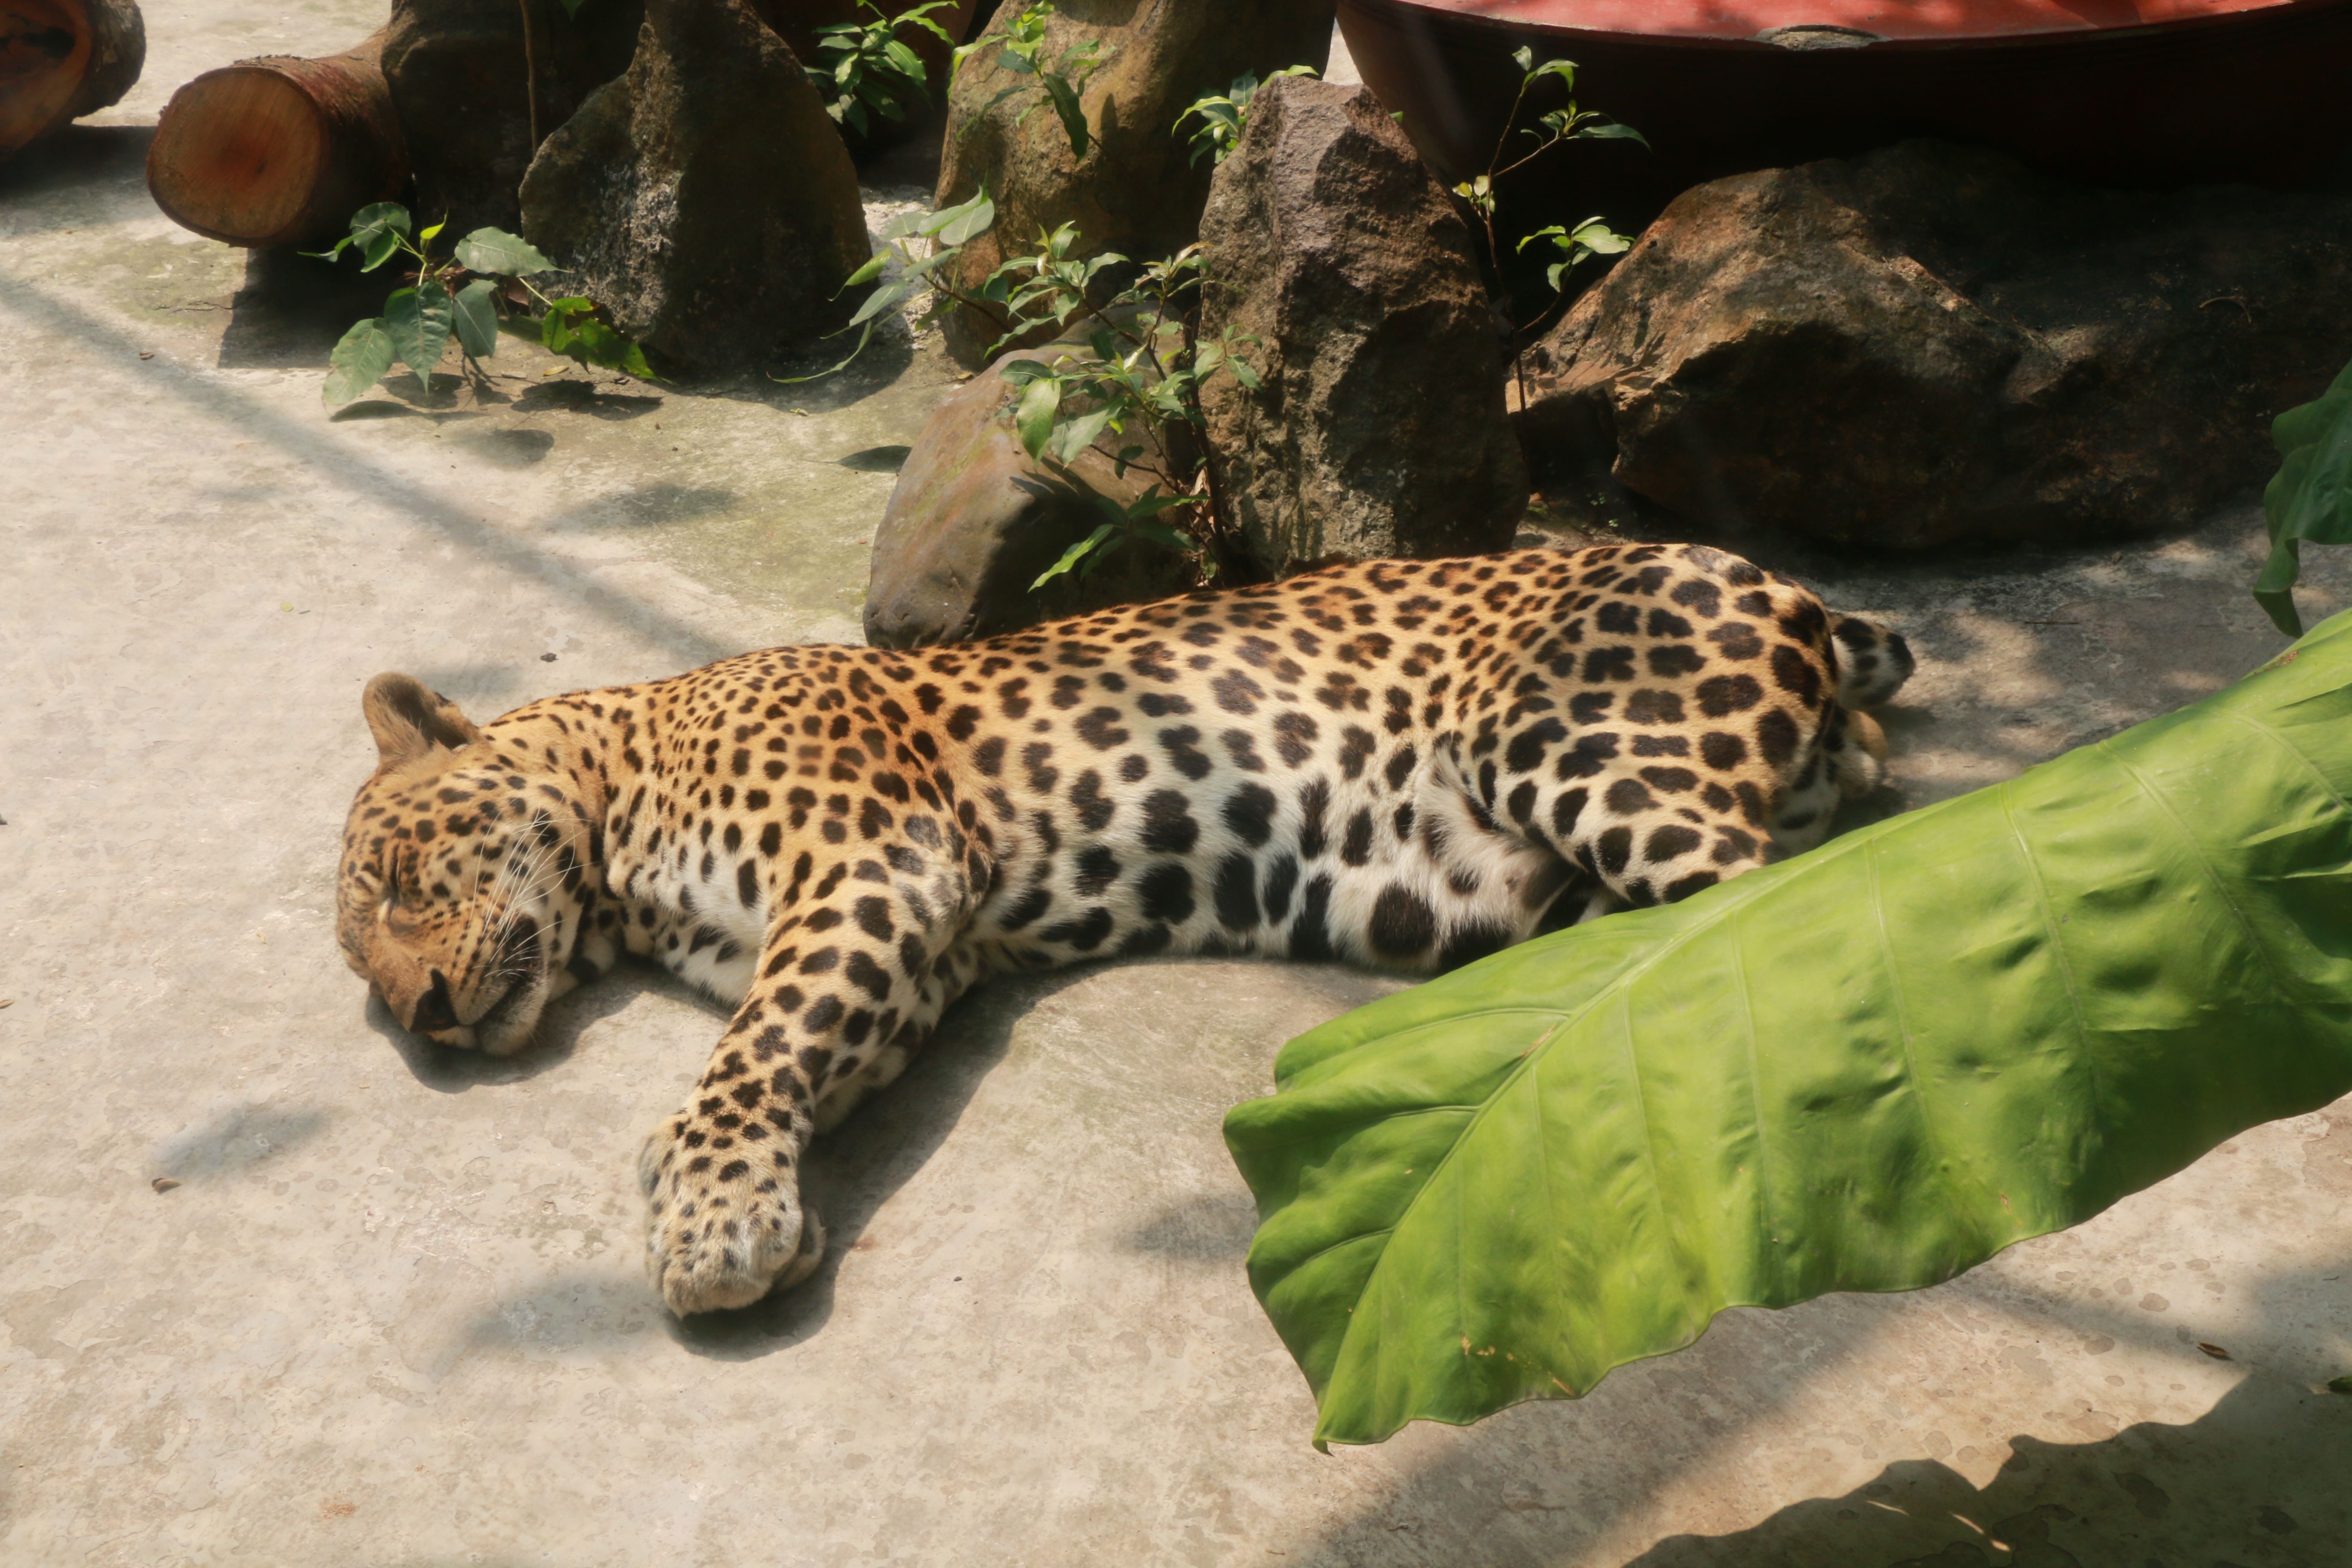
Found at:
<point>463,874</point>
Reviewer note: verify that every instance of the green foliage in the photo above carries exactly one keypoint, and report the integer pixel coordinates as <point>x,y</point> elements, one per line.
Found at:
<point>1141,374</point>
<point>1553,128</point>
<point>1867,1069</point>
<point>1224,118</point>
<point>866,68</point>
<point>2310,496</point>
<point>572,327</point>
<point>1059,80</point>
<point>946,231</point>
<point>1136,520</point>
<point>419,319</point>
<point>362,359</point>
<point>1592,238</point>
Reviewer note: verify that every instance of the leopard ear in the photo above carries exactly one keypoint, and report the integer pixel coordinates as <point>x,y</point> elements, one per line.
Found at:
<point>408,719</point>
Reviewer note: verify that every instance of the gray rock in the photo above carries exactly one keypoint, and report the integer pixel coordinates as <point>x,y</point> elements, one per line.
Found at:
<point>1380,427</point>
<point>1137,191</point>
<point>974,520</point>
<point>704,196</point>
<point>1930,345</point>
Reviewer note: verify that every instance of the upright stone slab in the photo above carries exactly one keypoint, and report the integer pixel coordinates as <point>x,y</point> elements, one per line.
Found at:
<point>974,520</point>
<point>1930,345</point>
<point>475,85</point>
<point>1137,191</point>
<point>704,196</point>
<point>1379,428</point>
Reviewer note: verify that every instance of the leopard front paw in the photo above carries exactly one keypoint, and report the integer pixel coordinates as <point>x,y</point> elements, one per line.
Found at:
<point>724,1226</point>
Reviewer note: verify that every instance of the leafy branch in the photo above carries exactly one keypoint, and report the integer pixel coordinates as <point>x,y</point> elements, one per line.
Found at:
<point>866,68</point>
<point>2310,498</point>
<point>1224,116</point>
<point>948,230</point>
<point>1556,127</point>
<point>1141,377</point>
<point>439,303</point>
<point>1061,80</point>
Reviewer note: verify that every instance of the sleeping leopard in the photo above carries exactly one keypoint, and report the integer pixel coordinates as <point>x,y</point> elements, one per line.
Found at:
<point>1402,764</point>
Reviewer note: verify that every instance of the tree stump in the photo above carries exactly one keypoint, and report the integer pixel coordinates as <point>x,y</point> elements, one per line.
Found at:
<point>61,60</point>
<point>278,151</point>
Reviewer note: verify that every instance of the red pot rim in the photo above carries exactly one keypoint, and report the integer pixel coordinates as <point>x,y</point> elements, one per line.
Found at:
<point>1906,21</point>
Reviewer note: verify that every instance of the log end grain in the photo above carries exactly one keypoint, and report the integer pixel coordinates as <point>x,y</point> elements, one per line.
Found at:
<point>61,60</point>
<point>238,156</point>
<point>277,152</point>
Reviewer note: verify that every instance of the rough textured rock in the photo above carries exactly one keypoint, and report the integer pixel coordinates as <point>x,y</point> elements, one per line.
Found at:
<point>1379,426</point>
<point>974,520</point>
<point>1930,345</point>
<point>477,84</point>
<point>704,196</point>
<point>1137,191</point>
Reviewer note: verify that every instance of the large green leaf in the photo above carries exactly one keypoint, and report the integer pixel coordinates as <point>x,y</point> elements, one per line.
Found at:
<point>2309,498</point>
<point>496,250</point>
<point>475,313</point>
<point>419,321</point>
<point>358,362</point>
<point>1867,1069</point>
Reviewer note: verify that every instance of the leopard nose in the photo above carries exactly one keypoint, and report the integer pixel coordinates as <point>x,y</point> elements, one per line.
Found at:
<point>435,1011</point>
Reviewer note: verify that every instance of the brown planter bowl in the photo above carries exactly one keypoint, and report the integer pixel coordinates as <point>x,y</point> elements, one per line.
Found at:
<point>2222,92</point>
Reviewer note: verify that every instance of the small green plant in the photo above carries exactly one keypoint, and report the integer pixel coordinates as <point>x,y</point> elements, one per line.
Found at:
<point>2310,498</point>
<point>1141,380</point>
<point>948,229</point>
<point>440,304</point>
<point>1225,117</point>
<point>1060,80</point>
<point>867,69</point>
<point>1141,377</point>
<point>1592,238</point>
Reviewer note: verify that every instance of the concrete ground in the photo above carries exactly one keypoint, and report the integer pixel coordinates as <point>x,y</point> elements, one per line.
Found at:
<point>394,1310</point>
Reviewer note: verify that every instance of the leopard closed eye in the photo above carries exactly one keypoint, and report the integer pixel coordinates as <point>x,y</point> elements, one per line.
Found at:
<point>1406,764</point>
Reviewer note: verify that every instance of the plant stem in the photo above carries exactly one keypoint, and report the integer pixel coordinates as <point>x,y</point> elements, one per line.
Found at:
<point>529,73</point>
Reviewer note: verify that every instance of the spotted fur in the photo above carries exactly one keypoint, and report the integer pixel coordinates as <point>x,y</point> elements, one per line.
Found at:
<point>1408,764</point>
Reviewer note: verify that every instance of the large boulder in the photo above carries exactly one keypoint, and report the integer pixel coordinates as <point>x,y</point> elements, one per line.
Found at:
<point>1930,345</point>
<point>1137,191</point>
<point>1379,426</point>
<point>704,196</point>
<point>974,521</point>
<point>477,84</point>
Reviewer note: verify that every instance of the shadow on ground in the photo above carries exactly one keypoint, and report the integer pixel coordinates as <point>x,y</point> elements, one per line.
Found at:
<point>2264,1477</point>
<point>448,1069</point>
<point>2258,1482</point>
<point>107,160</point>
<point>847,1176</point>
<point>852,1172</point>
<point>293,309</point>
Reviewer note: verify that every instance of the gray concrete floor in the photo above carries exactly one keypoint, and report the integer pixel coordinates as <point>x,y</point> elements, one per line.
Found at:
<point>393,1313</point>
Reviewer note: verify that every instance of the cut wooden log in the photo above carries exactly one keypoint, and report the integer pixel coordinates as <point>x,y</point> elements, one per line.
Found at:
<point>278,151</point>
<point>61,60</point>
